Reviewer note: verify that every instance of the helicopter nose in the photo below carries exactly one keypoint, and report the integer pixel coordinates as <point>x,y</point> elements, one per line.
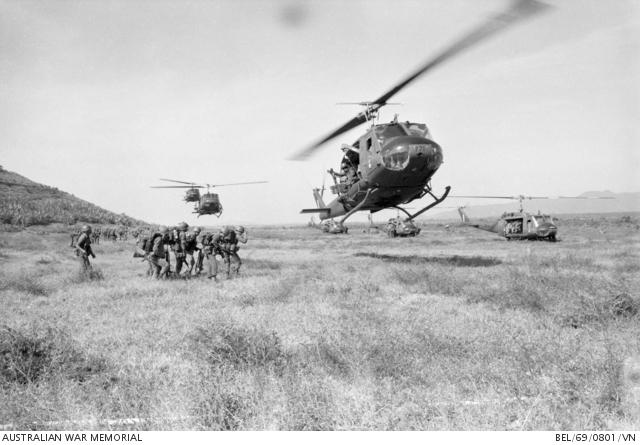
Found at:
<point>547,229</point>
<point>413,153</point>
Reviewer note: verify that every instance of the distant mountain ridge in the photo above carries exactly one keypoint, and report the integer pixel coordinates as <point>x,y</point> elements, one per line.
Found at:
<point>476,208</point>
<point>25,203</point>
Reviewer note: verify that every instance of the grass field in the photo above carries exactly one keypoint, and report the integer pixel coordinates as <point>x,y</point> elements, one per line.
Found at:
<point>455,329</point>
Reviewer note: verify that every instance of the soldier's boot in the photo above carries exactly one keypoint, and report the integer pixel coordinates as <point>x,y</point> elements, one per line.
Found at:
<point>228,267</point>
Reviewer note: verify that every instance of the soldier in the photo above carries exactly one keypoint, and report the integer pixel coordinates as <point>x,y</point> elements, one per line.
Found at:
<point>143,248</point>
<point>200,241</point>
<point>241,236</point>
<point>191,250</point>
<point>75,234</point>
<point>170,240</point>
<point>157,254</point>
<point>180,247</point>
<point>95,233</point>
<point>211,247</point>
<point>228,244</point>
<point>83,249</point>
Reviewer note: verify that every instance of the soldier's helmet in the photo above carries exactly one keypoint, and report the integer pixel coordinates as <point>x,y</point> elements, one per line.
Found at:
<point>86,229</point>
<point>240,229</point>
<point>228,230</point>
<point>183,226</point>
<point>197,230</point>
<point>164,230</point>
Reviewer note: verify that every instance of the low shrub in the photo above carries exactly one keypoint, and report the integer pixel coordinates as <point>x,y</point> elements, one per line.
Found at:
<point>28,356</point>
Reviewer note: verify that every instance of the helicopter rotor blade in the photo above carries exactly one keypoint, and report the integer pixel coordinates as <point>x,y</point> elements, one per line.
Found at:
<point>177,187</point>
<point>584,197</point>
<point>361,118</point>
<point>500,197</point>
<point>236,183</point>
<point>179,182</point>
<point>519,10</point>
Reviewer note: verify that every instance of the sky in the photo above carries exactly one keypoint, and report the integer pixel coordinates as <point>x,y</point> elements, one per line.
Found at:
<point>102,98</point>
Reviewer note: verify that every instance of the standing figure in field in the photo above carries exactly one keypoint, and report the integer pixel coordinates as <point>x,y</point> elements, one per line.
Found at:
<point>211,246</point>
<point>157,255</point>
<point>228,245</point>
<point>143,249</point>
<point>199,253</point>
<point>83,249</point>
<point>191,250</point>
<point>170,241</point>
<point>95,236</point>
<point>242,237</point>
<point>180,247</point>
<point>75,234</point>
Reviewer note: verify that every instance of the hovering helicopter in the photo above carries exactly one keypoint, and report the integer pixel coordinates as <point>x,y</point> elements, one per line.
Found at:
<point>392,164</point>
<point>206,203</point>
<point>521,224</point>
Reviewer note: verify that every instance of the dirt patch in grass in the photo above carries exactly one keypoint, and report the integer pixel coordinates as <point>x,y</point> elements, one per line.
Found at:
<point>452,260</point>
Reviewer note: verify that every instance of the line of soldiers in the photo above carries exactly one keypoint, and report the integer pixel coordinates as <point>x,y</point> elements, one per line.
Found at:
<point>120,233</point>
<point>192,251</point>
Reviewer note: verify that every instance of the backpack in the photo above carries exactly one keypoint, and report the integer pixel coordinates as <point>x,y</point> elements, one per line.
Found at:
<point>191,242</point>
<point>142,242</point>
<point>147,245</point>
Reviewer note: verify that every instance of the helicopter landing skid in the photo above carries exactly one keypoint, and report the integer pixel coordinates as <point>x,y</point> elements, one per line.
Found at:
<point>358,207</point>
<point>437,201</point>
<point>217,215</point>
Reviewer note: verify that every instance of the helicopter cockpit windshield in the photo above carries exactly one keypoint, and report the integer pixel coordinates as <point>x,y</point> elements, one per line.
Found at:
<point>386,132</point>
<point>414,129</point>
<point>539,219</point>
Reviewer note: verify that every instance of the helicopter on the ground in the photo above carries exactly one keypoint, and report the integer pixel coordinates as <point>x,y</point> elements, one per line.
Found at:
<point>399,227</point>
<point>520,225</point>
<point>392,164</point>
<point>205,203</point>
<point>332,226</point>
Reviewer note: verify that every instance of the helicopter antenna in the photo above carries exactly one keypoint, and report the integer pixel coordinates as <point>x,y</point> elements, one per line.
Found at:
<point>324,180</point>
<point>370,112</point>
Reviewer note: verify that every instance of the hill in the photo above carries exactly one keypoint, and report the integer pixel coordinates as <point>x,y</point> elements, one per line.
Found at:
<point>622,203</point>
<point>26,203</point>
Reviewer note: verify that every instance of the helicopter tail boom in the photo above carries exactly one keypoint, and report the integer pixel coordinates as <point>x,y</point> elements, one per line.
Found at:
<point>324,210</point>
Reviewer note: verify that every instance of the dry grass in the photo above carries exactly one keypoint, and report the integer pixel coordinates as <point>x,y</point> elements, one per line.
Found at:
<point>450,330</point>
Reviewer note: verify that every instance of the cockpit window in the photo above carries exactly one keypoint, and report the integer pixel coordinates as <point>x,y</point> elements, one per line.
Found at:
<point>414,129</point>
<point>542,218</point>
<point>388,131</point>
<point>396,158</point>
